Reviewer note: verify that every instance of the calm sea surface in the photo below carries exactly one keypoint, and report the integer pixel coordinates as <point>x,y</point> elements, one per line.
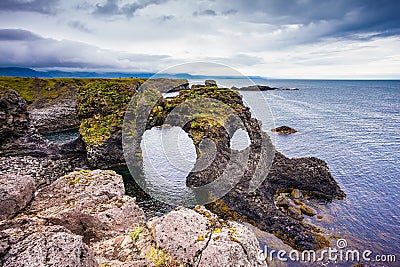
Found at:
<point>355,127</point>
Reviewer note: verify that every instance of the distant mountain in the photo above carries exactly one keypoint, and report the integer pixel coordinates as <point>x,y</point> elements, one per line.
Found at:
<point>27,72</point>
<point>18,72</point>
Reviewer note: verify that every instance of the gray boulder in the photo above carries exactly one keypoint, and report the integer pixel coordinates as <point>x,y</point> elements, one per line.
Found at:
<point>211,83</point>
<point>55,118</point>
<point>15,193</point>
<point>50,246</point>
<point>198,237</point>
<point>89,203</point>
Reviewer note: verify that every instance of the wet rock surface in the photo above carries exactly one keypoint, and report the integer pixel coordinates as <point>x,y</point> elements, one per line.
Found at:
<point>284,130</point>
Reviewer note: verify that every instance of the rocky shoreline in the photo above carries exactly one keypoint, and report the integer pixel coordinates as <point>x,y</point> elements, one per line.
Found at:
<point>52,198</point>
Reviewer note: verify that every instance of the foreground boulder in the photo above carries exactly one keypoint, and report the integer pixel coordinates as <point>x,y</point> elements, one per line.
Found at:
<point>89,203</point>
<point>44,246</point>
<point>84,216</point>
<point>15,193</point>
<point>199,238</point>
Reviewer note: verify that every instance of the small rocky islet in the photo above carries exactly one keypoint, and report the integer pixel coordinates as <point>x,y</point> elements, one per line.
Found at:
<point>66,197</point>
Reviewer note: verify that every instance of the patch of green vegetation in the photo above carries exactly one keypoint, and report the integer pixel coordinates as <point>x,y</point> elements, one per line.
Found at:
<point>158,257</point>
<point>4,90</point>
<point>102,105</point>
<point>135,234</point>
<point>207,109</point>
<point>41,92</point>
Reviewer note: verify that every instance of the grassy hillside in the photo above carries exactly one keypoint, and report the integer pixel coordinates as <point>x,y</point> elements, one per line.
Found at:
<point>40,92</point>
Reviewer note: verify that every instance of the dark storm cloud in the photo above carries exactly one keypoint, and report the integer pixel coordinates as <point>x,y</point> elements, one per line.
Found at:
<point>39,6</point>
<point>112,7</point>
<point>207,12</point>
<point>17,35</point>
<point>346,17</point>
<point>25,49</point>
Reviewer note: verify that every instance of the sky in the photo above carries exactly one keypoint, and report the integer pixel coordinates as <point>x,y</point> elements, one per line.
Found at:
<point>335,39</point>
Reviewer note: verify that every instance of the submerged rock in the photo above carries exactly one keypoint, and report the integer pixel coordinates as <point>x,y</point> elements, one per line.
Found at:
<point>307,210</point>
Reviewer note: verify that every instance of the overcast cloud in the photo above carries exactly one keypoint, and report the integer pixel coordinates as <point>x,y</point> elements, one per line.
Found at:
<point>293,39</point>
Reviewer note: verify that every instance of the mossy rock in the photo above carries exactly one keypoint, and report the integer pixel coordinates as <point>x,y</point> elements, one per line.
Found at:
<point>101,107</point>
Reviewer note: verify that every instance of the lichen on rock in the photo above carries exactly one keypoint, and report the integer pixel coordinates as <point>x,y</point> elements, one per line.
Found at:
<point>198,237</point>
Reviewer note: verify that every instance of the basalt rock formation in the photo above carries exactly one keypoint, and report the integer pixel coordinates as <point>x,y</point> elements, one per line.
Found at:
<point>256,205</point>
<point>24,151</point>
<point>101,108</point>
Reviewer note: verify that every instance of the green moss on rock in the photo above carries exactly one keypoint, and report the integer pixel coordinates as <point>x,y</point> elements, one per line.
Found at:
<point>101,107</point>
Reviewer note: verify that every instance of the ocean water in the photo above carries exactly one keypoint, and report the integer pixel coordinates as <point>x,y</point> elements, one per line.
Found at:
<point>355,127</point>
